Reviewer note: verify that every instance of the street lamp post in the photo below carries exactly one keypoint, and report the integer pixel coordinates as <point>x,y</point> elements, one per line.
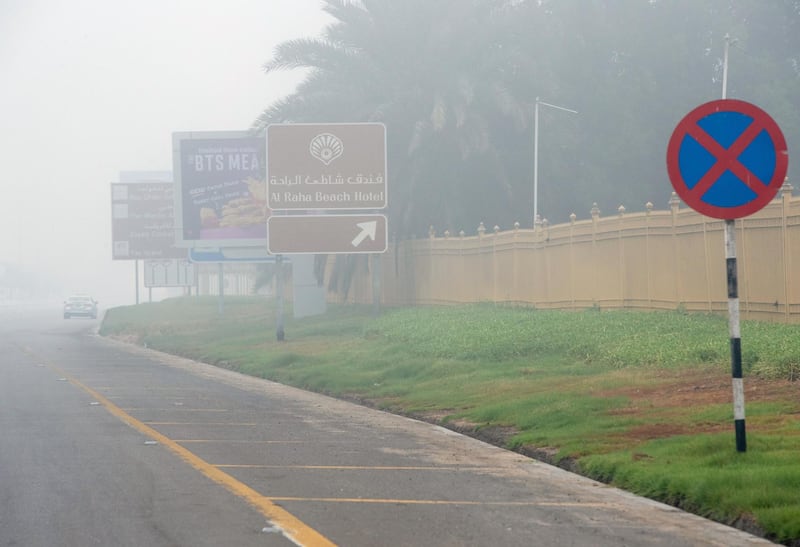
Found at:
<point>728,43</point>
<point>536,153</point>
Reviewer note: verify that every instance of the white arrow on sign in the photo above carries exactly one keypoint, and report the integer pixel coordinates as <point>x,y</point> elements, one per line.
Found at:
<point>368,230</point>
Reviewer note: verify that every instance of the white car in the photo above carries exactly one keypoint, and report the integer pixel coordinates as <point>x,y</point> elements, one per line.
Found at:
<point>80,305</point>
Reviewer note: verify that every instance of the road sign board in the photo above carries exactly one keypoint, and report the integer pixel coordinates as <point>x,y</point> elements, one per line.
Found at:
<point>169,273</point>
<point>330,234</point>
<point>230,254</point>
<point>326,166</point>
<point>727,159</point>
<point>142,221</point>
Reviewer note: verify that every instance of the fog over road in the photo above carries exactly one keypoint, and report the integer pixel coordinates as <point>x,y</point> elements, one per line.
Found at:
<point>106,444</point>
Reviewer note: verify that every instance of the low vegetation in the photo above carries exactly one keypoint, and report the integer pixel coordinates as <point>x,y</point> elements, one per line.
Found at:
<point>641,400</point>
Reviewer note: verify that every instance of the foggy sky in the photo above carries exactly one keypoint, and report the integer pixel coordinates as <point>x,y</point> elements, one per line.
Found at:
<point>94,87</point>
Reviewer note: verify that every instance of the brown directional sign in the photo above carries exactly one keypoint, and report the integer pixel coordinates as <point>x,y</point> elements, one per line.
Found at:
<point>326,166</point>
<point>331,234</point>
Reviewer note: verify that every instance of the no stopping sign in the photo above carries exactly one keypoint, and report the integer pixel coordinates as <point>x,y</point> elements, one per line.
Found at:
<point>727,159</point>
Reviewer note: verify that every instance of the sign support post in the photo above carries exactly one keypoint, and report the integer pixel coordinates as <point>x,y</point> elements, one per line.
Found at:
<point>733,303</point>
<point>735,336</point>
<point>279,332</point>
<point>136,281</point>
<point>376,284</point>
<point>727,159</point>
<point>220,288</point>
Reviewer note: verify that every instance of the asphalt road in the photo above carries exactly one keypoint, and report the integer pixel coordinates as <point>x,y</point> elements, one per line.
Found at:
<point>107,444</point>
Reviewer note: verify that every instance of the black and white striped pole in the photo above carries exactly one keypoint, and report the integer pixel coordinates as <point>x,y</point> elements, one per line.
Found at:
<point>733,303</point>
<point>735,336</point>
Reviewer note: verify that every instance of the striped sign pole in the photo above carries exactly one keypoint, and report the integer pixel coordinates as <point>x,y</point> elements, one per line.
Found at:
<point>727,159</point>
<point>733,303</point>
<point>735,336</point>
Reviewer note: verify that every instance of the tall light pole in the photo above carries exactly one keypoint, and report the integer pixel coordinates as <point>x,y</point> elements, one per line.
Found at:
<point>536,153</point>
<point>728,42</point>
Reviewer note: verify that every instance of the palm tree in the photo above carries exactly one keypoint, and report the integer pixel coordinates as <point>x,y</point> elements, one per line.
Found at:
<point>439,75</point>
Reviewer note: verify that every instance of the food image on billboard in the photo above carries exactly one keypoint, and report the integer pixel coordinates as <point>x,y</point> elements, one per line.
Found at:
<point>221,191</point>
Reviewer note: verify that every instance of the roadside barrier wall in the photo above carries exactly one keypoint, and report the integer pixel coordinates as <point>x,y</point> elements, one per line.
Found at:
<point>651,260</point>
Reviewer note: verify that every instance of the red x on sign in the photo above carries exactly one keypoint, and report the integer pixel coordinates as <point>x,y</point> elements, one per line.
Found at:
<point>727,159</point>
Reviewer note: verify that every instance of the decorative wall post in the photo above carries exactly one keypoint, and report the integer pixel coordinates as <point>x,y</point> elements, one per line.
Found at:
<point>515,264</point>
<point>430,289</point>
<point>495,263</point>
<point>786,200</point>
<point>464,282</point>
<point>648,211</point>
<point>572,218</point>
<point>545,252</point>
<point>595,212</point>
<point>621,243</point>
<point>674,205</point>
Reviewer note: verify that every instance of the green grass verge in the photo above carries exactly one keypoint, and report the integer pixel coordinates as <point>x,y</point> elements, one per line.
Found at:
<point>588,386</point>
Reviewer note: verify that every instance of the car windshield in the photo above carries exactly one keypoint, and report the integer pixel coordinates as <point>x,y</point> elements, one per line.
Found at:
<point>80,298</point>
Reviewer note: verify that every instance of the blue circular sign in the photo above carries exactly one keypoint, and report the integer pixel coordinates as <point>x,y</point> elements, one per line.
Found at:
<point>727,159</point>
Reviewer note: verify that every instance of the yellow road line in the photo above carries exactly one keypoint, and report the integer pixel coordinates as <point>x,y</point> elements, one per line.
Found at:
<point>351,467</point>
<point>161,388</point>
<point>446,502</point>
<point>242,424</point>
<point>233,441</point>
<point>177,409</point>
<point>292,527</point>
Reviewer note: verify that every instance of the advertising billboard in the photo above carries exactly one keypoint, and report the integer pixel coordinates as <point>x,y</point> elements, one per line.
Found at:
<point>220,189</point>
<point>143,221</point>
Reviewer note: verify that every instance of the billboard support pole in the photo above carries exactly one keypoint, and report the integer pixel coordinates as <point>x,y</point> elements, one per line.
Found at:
<point>136,276</point>
<point>279,333</point>
<point>220,288</point>
<point>376,284</point>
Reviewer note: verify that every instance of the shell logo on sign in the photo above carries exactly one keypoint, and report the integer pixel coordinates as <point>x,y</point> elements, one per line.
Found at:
<point>326,147</point>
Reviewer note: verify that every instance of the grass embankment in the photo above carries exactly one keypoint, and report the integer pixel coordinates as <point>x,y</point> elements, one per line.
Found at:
<point>640,400</point>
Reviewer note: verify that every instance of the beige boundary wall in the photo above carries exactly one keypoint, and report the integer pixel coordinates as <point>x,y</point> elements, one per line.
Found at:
<point>651,260</point>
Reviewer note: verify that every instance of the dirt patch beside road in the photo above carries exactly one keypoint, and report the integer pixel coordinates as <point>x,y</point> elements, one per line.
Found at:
<point>665,398</point>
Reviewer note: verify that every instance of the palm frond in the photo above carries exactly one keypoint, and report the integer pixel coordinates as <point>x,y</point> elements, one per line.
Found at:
<point>308,53</point>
